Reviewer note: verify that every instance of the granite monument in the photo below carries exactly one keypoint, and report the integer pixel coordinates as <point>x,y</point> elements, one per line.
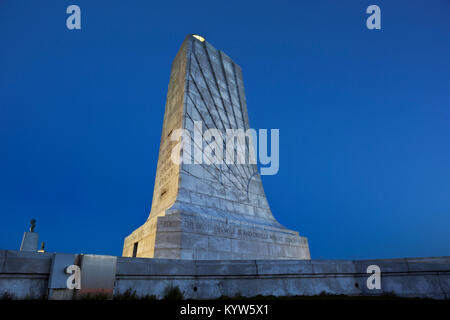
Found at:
<point>209,211</point>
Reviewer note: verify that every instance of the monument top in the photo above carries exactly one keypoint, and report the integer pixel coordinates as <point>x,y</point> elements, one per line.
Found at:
<point>196,36</point>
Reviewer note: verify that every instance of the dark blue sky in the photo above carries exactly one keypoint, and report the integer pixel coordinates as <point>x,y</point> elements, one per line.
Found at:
<point>364,117</point>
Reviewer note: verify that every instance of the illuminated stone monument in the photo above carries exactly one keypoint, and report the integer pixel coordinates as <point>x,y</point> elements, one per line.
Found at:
<point>209,211</point>
<point>30,239</point>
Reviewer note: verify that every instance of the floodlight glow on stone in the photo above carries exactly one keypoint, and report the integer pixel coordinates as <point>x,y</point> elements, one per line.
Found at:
<point>196,36</point>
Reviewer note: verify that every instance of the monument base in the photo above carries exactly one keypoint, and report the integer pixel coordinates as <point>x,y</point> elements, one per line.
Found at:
<point>183,235</point>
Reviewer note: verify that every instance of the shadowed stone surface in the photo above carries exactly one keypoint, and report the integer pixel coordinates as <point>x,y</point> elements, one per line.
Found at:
<point>209,211</point>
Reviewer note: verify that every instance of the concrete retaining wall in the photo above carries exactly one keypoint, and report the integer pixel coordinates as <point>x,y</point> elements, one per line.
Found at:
<point>24,275</point>
<point>27,275</point>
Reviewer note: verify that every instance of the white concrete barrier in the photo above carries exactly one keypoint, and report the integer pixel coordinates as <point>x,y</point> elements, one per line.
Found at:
<point>31,275</point>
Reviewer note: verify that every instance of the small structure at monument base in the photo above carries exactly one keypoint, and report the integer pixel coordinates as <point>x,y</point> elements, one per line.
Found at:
<point>30,241</point>
<point>36,275</point>
<point>30,238</point>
